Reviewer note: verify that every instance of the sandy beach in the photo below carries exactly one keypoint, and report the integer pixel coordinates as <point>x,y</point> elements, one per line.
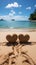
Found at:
<point>5,32</point>
<point>17,32</point>
<point>28,53</point>
<point>20,54</point>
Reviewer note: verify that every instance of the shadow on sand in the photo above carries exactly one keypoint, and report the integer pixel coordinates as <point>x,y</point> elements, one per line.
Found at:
<point>16,43</point>
<point>11,44</point>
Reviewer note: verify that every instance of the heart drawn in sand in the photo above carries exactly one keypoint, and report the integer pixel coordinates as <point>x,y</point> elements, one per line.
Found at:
<point>12,38</point>
<point>23,38</point>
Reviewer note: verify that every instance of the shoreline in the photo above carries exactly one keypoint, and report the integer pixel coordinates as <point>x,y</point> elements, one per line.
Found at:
<point>33,20</point>
<point>18,29</point>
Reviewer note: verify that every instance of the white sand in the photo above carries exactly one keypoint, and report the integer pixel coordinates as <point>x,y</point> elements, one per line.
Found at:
<point>31,49</point>
<point>5,32</point>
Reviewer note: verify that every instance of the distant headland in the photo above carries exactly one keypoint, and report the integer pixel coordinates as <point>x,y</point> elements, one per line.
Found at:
<point>33,16</point>
<point>1,19</point>
<point>12,19</point>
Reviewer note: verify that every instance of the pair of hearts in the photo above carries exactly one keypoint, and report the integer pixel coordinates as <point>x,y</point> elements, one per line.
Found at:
<point>23,38</point>
<point>12,38</point>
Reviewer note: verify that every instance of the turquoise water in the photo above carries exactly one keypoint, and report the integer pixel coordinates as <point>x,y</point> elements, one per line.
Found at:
<point>17,24</point>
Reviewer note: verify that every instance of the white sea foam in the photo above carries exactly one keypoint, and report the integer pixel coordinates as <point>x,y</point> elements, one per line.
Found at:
<point>11,27</point>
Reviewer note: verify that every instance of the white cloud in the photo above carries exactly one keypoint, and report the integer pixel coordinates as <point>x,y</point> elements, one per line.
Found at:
<point>12,13</point>
<point>20,12</point>
<point>9,16</point>
<point>25,16</point>
<point>18,17</point>
<point>20,5</point>
<point>35,5</point>
<point>15,4</point>
<point>28,8</point>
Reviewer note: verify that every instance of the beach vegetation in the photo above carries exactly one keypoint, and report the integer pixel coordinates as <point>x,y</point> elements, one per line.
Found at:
<point>33,15</point>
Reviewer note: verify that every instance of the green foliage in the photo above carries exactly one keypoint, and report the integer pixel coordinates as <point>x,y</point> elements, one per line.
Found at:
<point>33,16</point>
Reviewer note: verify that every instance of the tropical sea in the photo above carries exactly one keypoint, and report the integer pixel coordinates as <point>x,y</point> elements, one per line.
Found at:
<point>17,24</point>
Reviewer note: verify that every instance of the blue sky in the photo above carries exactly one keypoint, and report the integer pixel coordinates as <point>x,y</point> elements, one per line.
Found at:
<point>18,9</point>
